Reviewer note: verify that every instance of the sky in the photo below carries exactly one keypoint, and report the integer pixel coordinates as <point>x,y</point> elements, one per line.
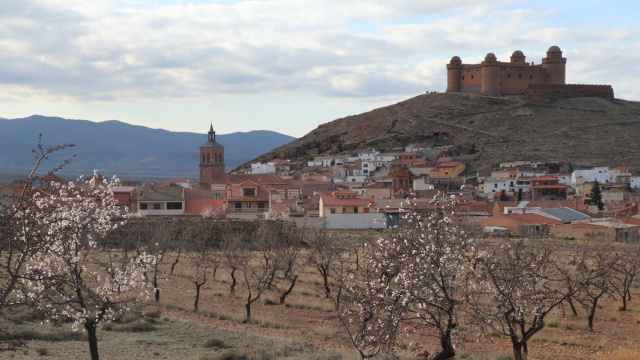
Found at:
<point>284,65</point>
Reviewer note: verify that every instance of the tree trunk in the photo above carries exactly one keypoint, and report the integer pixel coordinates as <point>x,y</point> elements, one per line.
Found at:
<point>447,351</point>
<point>175,263</point>
<point>248,306</point>
<point>517,350</point>
<point>573,308</point>
<point>624,302</point>
<point>90,326</point>
<point>233,282</point>
<point>327,290</point>
<point>157,290</point>
<point>284,295</point>
<point>592,313</point>
<point>195,303</point>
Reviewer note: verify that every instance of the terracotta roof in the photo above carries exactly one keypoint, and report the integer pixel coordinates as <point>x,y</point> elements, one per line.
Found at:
<point>449,164</point>
<point>240,178</point>
<point>548,186</point>
<point>330,200</point>
<point>544,178</point>
<point>277,161</point>
<point>532,218</point>
<point>345,192</point>
<point>52,177</point>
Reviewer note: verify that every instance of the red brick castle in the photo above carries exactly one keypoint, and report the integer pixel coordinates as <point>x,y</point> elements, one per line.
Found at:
<point>542,82</point>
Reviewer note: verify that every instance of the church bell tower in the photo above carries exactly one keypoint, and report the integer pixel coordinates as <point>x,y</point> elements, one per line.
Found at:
<point>211,159</point>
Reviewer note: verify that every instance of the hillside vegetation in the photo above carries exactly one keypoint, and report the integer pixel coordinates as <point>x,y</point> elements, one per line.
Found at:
<point>486,130</point>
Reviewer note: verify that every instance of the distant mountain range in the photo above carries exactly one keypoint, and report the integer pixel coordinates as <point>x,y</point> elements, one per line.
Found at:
<point>113,147</point>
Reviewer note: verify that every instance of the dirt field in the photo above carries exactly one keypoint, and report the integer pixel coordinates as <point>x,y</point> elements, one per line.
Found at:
<point>304,328</point>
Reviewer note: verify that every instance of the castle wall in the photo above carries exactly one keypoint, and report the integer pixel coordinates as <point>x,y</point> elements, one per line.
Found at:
<point>514,80</point>
<point>552,92</point>
<point>471,79</point>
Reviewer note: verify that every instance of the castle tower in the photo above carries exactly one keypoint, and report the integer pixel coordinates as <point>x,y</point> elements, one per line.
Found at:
<point>490,76</point>
<point>211,159</point>
<point>554,65</point>
<point>517,57</point>
<point>454,74</point>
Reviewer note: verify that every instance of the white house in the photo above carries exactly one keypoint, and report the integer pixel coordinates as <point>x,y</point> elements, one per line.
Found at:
<point>331,161</point>
<point>634,182</point>
<point>600,174</point>
<point>260,168</point>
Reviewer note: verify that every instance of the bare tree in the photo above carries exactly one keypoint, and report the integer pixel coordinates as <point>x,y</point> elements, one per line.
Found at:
<point>255,275</point>
<point>625,269</point>
<point>518,289</point>
<point>595,268</point>
<point>324,250</point>
<point>233,253</point>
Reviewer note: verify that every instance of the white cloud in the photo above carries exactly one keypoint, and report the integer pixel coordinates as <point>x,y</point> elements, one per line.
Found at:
<point>142,50</point>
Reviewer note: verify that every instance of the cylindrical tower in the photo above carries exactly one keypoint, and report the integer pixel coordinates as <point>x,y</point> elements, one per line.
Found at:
<point>454,75</point>
<point>517,57</point>
<point>554,65</point>
<point>490,76</point>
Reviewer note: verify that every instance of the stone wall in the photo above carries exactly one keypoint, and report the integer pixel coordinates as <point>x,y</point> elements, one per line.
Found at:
<point>552,92</point>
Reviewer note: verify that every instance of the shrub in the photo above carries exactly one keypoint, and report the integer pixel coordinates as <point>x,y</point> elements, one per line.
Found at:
<point>152,313</point>
<point>42,351</point>
<point>214,343</point>
<point>138,326</point>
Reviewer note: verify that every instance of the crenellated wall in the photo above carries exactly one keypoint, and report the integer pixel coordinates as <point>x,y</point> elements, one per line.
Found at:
<point>551,92</point>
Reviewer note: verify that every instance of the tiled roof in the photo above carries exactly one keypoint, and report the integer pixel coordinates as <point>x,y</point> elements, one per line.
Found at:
<point>330,200</point>
<point>548,186</point>
<point>532,218</point>
<point>240,178</point>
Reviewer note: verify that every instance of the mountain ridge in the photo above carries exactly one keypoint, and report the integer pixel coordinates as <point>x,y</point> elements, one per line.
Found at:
<point>114,146</point>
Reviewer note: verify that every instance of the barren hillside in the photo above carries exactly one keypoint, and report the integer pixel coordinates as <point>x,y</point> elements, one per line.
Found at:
<point>486,130</point>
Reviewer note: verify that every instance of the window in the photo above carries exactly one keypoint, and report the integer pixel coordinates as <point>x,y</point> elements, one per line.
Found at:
<point>333,211</point>
<point>261,206</point>
<point>519,76</point>
<point>530,76</point>
<point>143,206</point>
<point>248,204</point>
<point>238,205</point>
<point>249,192</point>
<point>174,206</point>
<point>157,207</point>
<point>471,77</point>
<point>203,157</point>
<point>509,76</point>
<point>355,210</point>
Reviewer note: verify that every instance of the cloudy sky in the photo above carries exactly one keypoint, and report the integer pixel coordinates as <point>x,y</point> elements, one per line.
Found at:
<point>284,65</point>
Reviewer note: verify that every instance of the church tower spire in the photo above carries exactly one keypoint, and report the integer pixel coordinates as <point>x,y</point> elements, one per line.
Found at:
<point>212,134</point>
<point>211,160</point>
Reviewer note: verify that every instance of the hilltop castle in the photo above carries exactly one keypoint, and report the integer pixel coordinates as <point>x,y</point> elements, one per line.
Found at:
<point>542,82</point>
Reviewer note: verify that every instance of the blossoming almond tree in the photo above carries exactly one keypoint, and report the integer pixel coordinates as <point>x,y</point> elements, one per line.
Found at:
<point>517,288</point>
<point>69,277</point>
<point>421,272</point>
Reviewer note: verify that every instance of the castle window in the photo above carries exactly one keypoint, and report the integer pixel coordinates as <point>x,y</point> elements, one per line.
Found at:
<point>471,76</point>
<point>520,76</point>
<point>208,158</point>
<point>530,76</point>
<point>462,77</point>
<point>509,76</point>
<point>203,157</point>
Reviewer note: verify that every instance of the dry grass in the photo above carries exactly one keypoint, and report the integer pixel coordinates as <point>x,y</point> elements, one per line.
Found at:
<point>304,328</point>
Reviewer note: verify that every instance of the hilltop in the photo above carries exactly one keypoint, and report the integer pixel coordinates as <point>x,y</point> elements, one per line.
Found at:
<point>485,130</point>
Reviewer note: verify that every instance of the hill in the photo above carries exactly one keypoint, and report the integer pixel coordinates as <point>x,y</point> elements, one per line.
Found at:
<point>124,149</point>
<point>485,130</point>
